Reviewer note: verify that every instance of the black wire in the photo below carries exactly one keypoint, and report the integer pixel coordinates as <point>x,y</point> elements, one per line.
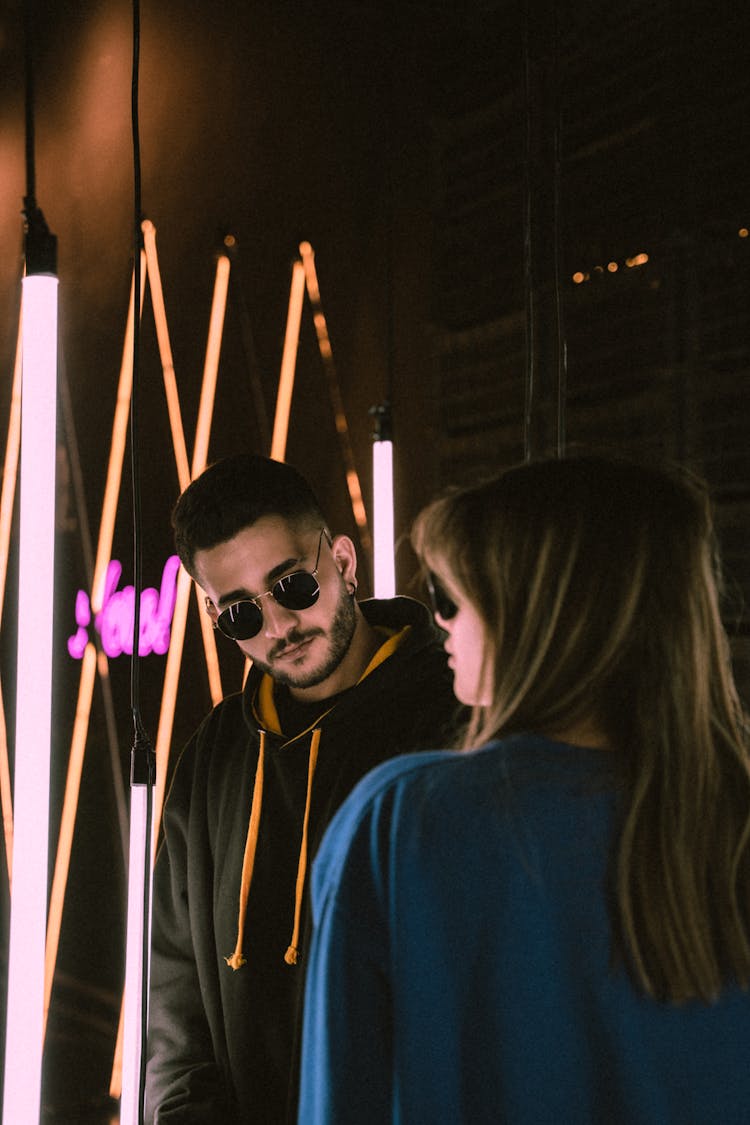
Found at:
<point>137,569</point>
<point>40,245</point>
<point>146,949</point>
<point>389,219</point>
<point>529,369</point>
<point>562,345</point>
<point>28,22</point>
<point>142,754</point>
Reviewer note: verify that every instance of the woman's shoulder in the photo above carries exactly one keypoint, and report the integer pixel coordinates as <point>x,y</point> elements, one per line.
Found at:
<point>522,775</point>
<point>387,793</point>
<point>402,779</point>
<point>371,804</point>
<point>520,758</point>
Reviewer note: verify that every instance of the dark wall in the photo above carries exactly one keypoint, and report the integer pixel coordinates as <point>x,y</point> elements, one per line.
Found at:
<point>454,166</point>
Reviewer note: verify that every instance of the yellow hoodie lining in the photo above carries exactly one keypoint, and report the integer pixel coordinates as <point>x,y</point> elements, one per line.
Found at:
<point>269,715</point>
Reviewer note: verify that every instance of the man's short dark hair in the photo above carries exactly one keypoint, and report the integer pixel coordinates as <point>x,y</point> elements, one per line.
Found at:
<point>234,493</point>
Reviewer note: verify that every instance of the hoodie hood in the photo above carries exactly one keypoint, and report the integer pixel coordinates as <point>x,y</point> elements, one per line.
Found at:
<point>404,623</point>
<point>395,620</point>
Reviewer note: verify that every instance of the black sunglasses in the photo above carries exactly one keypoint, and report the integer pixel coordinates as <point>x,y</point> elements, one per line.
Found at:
<point>442,605</point>
<point>243,620</point>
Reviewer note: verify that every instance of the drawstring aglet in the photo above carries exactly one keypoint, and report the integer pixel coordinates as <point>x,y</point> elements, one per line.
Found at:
<point>236,961</point>
<point>292,954</point>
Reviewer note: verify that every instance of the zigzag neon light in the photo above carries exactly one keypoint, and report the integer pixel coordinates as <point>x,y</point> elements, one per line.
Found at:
<point>114,622</point>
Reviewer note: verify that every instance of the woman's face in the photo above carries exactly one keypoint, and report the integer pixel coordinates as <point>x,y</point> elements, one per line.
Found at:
<point>466,644</point>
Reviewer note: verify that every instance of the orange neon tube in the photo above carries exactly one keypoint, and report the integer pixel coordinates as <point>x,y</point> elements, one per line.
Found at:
<point>213,351</point>
<point>165,353</point>
<point>288,363</point>
<point>7,496</point>
<point>6,792</point>
<point>211,365</point>
<point>86,686</point>
<point>117,452</point>
<point>337,403</point>
<point>67,823</point>
<point>10,471</point>
<point>179,617</point>
<point>286,375</point>
<point>200,448</point>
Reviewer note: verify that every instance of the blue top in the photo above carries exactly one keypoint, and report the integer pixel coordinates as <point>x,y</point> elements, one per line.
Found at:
<point>461,968</point>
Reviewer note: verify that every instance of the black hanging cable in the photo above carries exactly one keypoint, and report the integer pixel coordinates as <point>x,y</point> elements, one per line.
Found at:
<point>30,199</point>
<point>40,244</point>
<point>142,767</point>
<point>389,220</point>
<point>382,413</point>
<point>562,345</point>
<point>134,452</point>
<point>530,359</point>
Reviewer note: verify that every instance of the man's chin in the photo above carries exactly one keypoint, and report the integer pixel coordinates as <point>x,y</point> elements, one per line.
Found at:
<point>294,671</point>
<point>301,676</point>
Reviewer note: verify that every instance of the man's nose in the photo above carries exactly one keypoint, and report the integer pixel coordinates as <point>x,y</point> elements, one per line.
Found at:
<point>276,619</point>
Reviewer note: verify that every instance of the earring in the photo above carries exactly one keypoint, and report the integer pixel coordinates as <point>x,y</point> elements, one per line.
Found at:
<point>351,588</point>
<point>209,606</point>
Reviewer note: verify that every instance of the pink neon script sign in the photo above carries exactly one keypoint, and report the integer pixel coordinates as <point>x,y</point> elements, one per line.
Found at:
<point>114,622</point>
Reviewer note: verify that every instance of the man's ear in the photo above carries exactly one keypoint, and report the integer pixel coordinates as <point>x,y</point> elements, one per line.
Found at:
<point>211,610</point>
<point>345,557</point>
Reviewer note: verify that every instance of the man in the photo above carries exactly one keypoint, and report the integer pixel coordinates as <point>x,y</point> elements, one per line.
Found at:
<point>335,687</point>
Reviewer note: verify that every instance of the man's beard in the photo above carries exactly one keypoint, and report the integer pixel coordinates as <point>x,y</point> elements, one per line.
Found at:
<point>340,634</point>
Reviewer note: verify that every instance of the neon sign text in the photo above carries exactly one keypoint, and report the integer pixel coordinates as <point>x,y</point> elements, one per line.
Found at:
<point>114,622</point>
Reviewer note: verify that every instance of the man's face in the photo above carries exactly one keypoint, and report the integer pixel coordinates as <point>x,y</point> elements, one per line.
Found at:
<point>302,648</point>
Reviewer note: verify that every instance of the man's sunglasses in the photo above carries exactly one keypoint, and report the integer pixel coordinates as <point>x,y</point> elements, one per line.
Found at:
<point>442,605</point>
<point>243,620</point>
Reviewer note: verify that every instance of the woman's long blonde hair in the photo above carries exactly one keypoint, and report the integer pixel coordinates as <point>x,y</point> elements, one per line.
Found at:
<point>599,583</point>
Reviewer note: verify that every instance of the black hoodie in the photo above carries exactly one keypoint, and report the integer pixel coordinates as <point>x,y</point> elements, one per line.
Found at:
<point>224,1040</point>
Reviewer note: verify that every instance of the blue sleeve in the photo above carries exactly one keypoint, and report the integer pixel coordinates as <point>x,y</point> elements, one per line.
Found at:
<point>347,1067</point>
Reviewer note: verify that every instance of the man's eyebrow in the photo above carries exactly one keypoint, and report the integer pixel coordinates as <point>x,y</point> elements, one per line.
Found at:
<point>276,572</point>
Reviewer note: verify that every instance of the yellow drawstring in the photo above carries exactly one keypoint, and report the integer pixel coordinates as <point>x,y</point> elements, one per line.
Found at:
<point>268,715</point>
<point>237,959</point>
<point>292,952</point>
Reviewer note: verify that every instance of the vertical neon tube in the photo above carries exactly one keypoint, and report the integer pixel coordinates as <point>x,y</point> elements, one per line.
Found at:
<point>28,919</point>
<point>382,521</point>
<point>133,1014</point>
<point>384,565</point>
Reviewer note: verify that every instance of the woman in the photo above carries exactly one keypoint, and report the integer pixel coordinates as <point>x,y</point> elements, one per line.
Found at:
<point>555,927</point>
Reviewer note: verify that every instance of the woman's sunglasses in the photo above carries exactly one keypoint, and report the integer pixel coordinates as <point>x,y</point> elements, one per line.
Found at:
<point>300,590</point>
<point>442,605</point>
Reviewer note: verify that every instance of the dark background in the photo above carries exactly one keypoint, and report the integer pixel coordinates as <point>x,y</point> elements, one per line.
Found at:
<point>453,166</point>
